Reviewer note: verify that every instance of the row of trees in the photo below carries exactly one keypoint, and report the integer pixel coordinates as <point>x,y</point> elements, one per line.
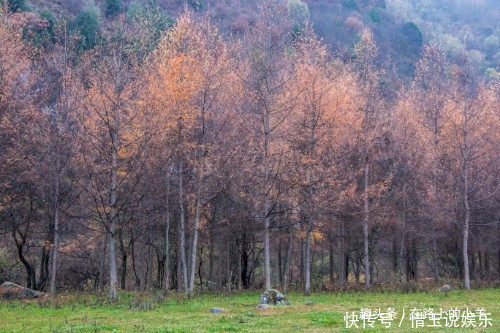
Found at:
<point>196,161</point>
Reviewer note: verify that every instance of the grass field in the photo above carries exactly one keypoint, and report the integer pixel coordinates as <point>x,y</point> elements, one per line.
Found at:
<point>152,313</point>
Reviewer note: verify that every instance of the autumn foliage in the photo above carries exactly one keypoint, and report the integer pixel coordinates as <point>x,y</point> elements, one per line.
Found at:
<point>194,160</point>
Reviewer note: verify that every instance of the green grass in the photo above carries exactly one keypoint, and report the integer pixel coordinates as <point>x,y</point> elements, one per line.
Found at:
<point>152,313</point>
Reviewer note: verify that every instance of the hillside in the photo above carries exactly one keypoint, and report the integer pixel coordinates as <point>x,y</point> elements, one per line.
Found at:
<point>400,27</point>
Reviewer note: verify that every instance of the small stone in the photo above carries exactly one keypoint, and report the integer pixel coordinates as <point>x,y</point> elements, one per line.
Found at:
<point>262,306</point>
<point>217,310</point>
<point>446,288</point>
<point>310,303</point>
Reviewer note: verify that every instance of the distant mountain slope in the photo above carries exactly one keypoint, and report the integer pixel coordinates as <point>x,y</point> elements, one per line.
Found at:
<point>400,27</point>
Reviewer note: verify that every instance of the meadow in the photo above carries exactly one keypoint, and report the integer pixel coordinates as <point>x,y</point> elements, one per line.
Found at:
<point>135,312</point>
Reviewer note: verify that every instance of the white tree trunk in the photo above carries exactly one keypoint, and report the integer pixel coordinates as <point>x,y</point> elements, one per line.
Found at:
<point>267,204</point>
<point>402,244</point>
<point>182,230</point>
<point>366,228</point>
<point>166,273</point>
<point>307,259</point>
<point>466,219</point>
<point>113,275</point>
<point>195,244</point>
<point>286,265</point>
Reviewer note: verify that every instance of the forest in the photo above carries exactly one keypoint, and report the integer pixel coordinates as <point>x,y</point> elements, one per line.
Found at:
<point>196,146</point>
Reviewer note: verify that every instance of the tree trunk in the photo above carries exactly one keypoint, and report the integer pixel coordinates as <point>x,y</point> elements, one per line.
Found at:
<point>267,203</point>
<point>166,269</point>
<point>466,220</point>
<point>55,250</point>
<point>280,268</point>
<point>220,261</point>
<point>123,250</point>
<point>330,262</point>
<point>211,257</point>
<point>366,227</point>
<point>402,244</point>
<point>113,277</point>
<point>286,265</point>
<point>179,259</point>
<point>102,263</point>
<point>240,265</point>
<point>228,266</point>
<point>182,231</point>
<point>195,242</point>
<point>30,273</point>
<point>435,204</point>
<point>307,260</point>
<point>343,264</point>
<point>486,265</point>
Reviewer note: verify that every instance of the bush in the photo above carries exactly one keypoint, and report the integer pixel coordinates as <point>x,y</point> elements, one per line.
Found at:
<point>375,15</point>
<point>88,25</point>
<point>298,11</point>
<point>134,10</point>
<point>42,34</point>
<point>196,4</point>
<point>18,5</point>
<point>491,44</point>
<point>350,4</point>
<point>412,37</point>
<point>477,58</point>
<point>492,74</point>
<point>452,45</point>
<point>113,7</point>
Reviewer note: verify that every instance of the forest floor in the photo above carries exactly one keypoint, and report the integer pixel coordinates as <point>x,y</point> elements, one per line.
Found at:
<point>153,313</point>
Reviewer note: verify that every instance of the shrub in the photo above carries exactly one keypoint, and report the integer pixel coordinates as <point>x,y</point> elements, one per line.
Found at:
<point>412,37</point>
<point>452,45</point>
<point>351,4</point>
<point>491,44</point>
<point>353,24</point>
<point>492,74</point>
<point>196,4</point>
<point>375,15</point>
<point>477,58</point>
<point>18,5</point>
<point>134,10</point>
<point>88,25</point>
<point>43,35</point>
<point>298,11</point>
<point>113,7</point>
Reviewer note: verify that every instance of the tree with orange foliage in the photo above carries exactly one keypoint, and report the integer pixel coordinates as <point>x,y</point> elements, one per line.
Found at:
<point>471,136</point>
<point>114,138</point>
<point>428,96</point>
<point>191,87</point>
<point>21,125</point>
<point>365,52</point>
<point>267,82</point>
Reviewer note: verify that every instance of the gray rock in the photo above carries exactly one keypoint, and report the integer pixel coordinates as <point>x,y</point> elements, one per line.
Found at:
<point>217,310</point>
<point>262,306</point>
<point>10,290</point>
<point>273,297</point>
<point>310,303</point>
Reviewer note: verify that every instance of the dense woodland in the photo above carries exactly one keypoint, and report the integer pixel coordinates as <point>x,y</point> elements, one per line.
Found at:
<point>192,152</point>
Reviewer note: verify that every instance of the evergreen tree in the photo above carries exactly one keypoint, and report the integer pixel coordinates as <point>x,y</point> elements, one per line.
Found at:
<point>18,5</point>
<point>88,24</point>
